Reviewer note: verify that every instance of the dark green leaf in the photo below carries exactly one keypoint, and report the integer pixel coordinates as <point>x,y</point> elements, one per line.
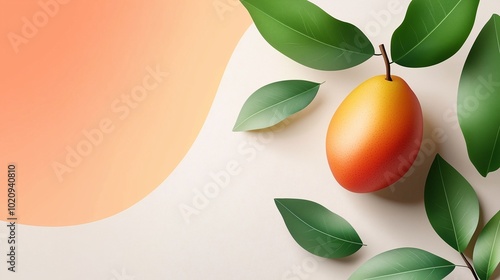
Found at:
<point>479,99</point>
<point>432,31</point>
<point>404,263</point>
<point>275,102</point>
<point>487,249</point>
<point>451,204</point>
<point>307,34</point>
<point>317,229</point>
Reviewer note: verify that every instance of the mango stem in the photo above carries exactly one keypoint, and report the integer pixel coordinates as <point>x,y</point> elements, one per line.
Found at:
<point>387,64</point>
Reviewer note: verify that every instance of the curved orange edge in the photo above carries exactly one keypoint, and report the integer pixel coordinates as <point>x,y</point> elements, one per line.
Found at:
<point>101,101</point>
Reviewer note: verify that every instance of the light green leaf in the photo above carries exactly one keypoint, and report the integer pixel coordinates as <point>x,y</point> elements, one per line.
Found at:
<point>479,99</point>
<point>487,249</point>
<point>318,230</point>
<point>275,102</point>
<point>432,31</point>
<point>307,34</point>
<point>451,204</point>
<point>402,264</point>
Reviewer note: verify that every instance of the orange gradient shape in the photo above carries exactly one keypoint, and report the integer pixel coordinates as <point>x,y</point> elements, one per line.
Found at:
<point>101,100</point>
<point>375,134</point>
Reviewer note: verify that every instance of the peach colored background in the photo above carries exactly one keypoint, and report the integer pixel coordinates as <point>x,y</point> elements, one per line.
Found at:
<point>70,76</point>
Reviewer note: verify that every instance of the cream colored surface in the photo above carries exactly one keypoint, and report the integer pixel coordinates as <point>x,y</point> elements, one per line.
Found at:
<point>237,232</point>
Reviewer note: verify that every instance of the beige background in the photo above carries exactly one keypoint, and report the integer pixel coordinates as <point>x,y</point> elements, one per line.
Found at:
<point>237,232</point>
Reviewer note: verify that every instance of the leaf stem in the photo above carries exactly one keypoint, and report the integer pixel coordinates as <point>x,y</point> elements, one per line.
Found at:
<point>469,266</point>
<point>387,64</point>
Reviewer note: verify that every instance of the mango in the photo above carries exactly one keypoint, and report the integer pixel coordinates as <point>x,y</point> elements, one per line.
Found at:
<point>374,135</point>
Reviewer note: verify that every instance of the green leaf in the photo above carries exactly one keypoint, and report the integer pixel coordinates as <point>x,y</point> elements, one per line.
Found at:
<point>487,249</point>
<point>404,263</point>
<point>275,102</point>
<point>307,34</point>
<point>318,230</point>
<point>432,31</point>
<point>479,99</point>
<point>451,204</point>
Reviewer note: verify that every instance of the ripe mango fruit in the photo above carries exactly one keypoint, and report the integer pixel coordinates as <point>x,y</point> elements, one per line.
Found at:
<point>374,135</point>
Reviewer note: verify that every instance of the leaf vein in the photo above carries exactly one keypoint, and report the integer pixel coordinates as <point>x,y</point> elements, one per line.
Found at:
<point>496,33</point>
<point>493,150</point>
<point>276,104</point>
<point>320,231</point>
<point>411,271</point>
<point>491,252</point>
<point>432,31</point>
<point>301,33</point>
<point>448,205</point>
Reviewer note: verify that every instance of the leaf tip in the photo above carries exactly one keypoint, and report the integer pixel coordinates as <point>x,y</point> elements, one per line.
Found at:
<point>483,173</point>
<point>438,157</point>
<point>277,201</point>
<point>239,128</point>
